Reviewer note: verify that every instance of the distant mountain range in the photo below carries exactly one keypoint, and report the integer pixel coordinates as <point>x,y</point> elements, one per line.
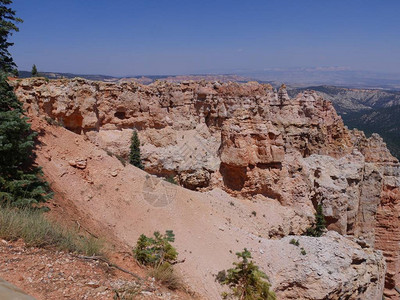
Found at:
<point>147,79</point>
<point>372,109</point>
<point>336,76</point>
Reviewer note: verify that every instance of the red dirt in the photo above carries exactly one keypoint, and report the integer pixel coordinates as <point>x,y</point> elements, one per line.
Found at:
<point>49,274</point>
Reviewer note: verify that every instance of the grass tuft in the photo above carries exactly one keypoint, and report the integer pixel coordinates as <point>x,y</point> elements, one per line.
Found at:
<point>37,231</point>
<point>166,275</point>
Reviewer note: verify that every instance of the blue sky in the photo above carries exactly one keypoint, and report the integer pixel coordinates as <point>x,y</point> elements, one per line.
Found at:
<point>128,37</point>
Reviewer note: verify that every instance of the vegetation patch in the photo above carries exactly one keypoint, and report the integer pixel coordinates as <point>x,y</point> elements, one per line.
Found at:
<point>37,231</point>
<point>170,179</point>
<point>134,155</point>
<point>165,274</point>
<point>245,280</point>
<point>318,228</point>
<point>158,253</point>
<point>154,251</point>
<point>54,122</point>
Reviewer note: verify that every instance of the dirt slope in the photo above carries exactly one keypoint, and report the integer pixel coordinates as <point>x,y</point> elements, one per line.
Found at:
<point>47,274</point>
<point>124,202</point>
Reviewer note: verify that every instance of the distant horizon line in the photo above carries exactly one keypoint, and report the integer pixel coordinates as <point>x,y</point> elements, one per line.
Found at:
<point>237,73</point>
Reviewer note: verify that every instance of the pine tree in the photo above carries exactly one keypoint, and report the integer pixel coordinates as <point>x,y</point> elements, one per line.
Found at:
<point>319,221</point>
<point>8,25</point>
<point>135,157</point>
<point>20,181</point>
<point>318,228</point>
<point>34,71</point>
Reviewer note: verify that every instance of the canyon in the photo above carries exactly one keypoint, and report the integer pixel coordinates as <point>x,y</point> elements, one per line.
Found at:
<point>234,149</point>
<point>370,110</point>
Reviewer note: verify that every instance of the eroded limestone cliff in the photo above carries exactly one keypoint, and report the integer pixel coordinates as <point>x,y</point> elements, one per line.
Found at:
<point>248,140</point>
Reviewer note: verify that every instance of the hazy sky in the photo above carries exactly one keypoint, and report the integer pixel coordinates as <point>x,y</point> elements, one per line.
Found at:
<point>127,37</point>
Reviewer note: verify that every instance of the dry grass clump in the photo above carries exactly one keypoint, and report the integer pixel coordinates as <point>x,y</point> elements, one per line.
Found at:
<point>166,275</point>
<point>37,231</point>
<point>127,292</point>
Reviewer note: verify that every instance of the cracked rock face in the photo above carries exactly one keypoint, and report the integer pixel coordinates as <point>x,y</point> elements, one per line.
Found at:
<point>330,267</point>
<point>246,139</point>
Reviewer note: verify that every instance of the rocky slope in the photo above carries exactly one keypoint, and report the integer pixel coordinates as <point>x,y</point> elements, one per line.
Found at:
<point>370,110</point>
<point>122,202</point>
<point>287,155</point>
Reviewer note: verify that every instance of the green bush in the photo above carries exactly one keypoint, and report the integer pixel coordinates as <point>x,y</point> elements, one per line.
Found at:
<point>156,251</point>
<point>37,231</point>
<point>245,280</point>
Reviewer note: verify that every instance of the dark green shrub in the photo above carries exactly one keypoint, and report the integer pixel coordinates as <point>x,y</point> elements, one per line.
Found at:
<point>294,242</point>
<point>34,71</point>
<point>246,280</point>
<point>318,228</point>
<point>156,251</point>
<point>135,156</point>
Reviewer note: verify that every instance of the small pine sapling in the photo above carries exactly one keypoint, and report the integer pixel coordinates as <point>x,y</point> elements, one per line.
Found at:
<point>135,156</point>
<point>318,228</point>
<point>157,250</point>
<point>246,280</point>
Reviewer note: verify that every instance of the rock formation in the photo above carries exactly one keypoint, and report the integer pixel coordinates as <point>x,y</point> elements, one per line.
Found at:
<point>248,140</point>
